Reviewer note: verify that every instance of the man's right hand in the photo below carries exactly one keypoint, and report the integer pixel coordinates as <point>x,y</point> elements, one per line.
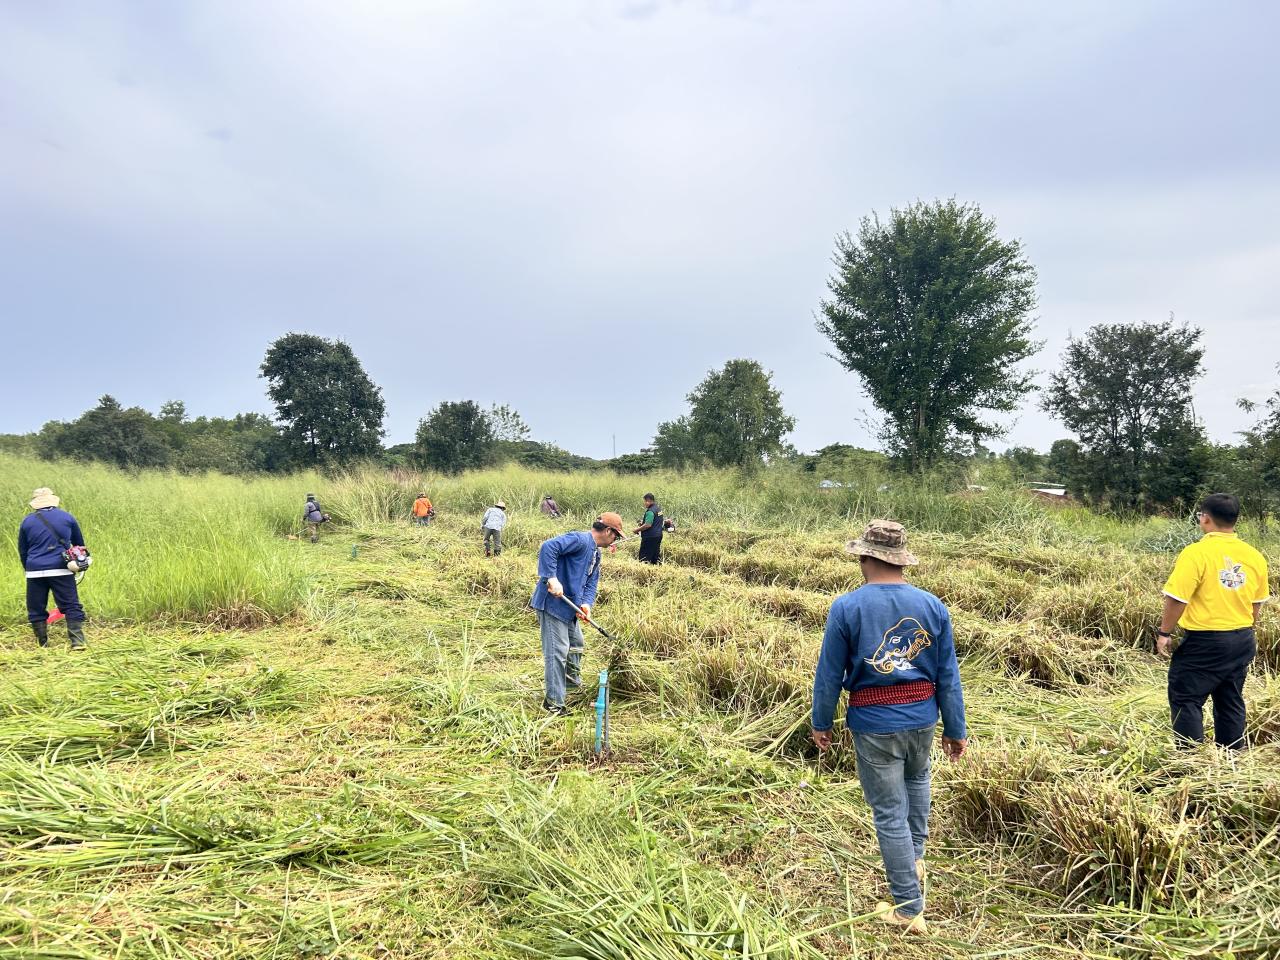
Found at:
<point>822,739</point>
<point>954,749</point>
<point>554,587</point>
<point>1163,645</point>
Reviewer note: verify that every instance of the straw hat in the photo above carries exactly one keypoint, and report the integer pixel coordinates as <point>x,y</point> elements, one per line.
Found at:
<point>43,497</point>
<point>501,504</point>
<point>885,540</point>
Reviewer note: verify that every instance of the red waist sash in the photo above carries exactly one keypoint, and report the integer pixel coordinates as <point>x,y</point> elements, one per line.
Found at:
<point>895,694</point>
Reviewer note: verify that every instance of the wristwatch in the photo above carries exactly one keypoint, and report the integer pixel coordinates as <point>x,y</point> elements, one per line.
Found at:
<point>1164,633</point>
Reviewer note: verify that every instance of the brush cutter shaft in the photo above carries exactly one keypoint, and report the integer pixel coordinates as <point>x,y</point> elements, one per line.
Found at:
<point>583,614</point>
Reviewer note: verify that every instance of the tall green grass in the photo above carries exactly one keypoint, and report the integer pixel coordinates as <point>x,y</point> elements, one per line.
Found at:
<point>168,545</point>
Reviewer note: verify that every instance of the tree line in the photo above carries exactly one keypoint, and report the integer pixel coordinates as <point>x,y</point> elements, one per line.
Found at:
<point>930,308</point>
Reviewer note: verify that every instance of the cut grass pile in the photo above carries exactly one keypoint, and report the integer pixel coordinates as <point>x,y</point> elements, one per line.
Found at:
<point>365,772</point>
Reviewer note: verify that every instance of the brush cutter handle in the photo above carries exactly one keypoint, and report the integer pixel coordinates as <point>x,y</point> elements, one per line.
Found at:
<point>583,614</point>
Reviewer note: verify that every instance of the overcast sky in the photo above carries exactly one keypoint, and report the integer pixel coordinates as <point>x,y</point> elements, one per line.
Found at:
<point>579,208</point>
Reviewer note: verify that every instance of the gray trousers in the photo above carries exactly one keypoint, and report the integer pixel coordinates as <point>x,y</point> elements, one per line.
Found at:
<point>562,649</point>
<point>495,537</point>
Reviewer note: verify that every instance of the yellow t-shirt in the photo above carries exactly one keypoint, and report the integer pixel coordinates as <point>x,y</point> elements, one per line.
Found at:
<point>1219,578</point>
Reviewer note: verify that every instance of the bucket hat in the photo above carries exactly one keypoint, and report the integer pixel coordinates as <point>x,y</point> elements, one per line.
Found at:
<point>885,540</point>
<point>43,497</point>
<point>501,504</point>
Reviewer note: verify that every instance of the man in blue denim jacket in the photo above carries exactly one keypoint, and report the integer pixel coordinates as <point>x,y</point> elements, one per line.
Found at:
<point>890,645</point>
<point>568,567</point>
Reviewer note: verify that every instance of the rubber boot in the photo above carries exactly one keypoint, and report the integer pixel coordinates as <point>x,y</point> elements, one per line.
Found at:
<point>75,630</point>
<point>41,630</point>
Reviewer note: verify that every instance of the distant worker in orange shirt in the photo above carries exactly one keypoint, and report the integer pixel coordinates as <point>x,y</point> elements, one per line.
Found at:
<point>422,510</point>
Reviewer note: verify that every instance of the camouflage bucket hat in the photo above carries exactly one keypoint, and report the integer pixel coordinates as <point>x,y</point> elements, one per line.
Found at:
<point>885,540</point>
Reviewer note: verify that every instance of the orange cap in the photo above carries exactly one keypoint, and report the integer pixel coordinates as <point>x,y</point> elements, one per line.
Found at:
<point>613,521</point>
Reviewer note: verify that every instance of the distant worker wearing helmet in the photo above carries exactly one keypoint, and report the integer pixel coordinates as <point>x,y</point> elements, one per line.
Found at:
<point>569,568</point>
<point>44,536</point>
<point>313,516</point>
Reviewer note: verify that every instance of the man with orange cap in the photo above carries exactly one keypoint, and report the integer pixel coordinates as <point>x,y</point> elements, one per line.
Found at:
<point>568,569</point>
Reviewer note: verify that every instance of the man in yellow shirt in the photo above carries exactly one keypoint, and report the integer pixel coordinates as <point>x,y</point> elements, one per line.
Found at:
<point>1213,594</point>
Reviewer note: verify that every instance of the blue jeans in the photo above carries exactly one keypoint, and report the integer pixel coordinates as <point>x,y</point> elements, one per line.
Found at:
<point>893,769</point>
<point>562,647</point>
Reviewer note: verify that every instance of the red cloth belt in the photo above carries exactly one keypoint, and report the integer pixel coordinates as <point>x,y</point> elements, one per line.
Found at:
<point>895,694</point>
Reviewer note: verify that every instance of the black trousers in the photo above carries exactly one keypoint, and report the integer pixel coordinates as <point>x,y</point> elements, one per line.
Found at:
<point>1211,664</point>
<point>650,549</point>
<point>65,595</point>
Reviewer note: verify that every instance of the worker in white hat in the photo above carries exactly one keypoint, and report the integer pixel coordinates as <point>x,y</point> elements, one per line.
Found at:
<point>52,550</point>
<point>495,519</point>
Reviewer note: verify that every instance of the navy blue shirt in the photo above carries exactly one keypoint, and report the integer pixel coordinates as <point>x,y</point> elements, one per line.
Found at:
<point>882,634</point>
<point>40,549</point>
<point>652,516</point>
<point>573,559</point>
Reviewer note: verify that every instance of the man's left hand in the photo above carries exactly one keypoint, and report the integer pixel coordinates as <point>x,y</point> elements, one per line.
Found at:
<point>585,613</point>
<point>822,739</point>
<point>1163,646</point>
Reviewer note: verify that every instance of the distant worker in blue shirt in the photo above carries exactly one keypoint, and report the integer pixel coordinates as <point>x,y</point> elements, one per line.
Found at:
<point>45,541</point>
<point>890,645</point>
<point>568,567</point>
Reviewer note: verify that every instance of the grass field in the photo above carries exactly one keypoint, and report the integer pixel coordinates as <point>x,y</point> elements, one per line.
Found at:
<point>274,749</point>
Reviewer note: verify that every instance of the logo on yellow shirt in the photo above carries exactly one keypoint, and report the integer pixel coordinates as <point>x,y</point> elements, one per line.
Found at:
<point>901,644</point>
<point>1231,576</point>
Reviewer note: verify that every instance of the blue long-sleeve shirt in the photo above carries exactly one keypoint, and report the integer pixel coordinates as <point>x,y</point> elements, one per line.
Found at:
<point>38,548</point>
<point>573,559</point>
<point>882,634</point>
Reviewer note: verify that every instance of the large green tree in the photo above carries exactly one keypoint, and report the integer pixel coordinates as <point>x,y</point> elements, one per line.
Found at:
<point>329,409</point>
<point>1064,465</point>
<point>1251,469</point>
<point>507,424</point>
<point>1125,391</point>
<point>735,419</point>
<point>674,446</point>
<point>127,437</point>
<point>245,443</point>
<point>456,436</point>
<point>932,310</point>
